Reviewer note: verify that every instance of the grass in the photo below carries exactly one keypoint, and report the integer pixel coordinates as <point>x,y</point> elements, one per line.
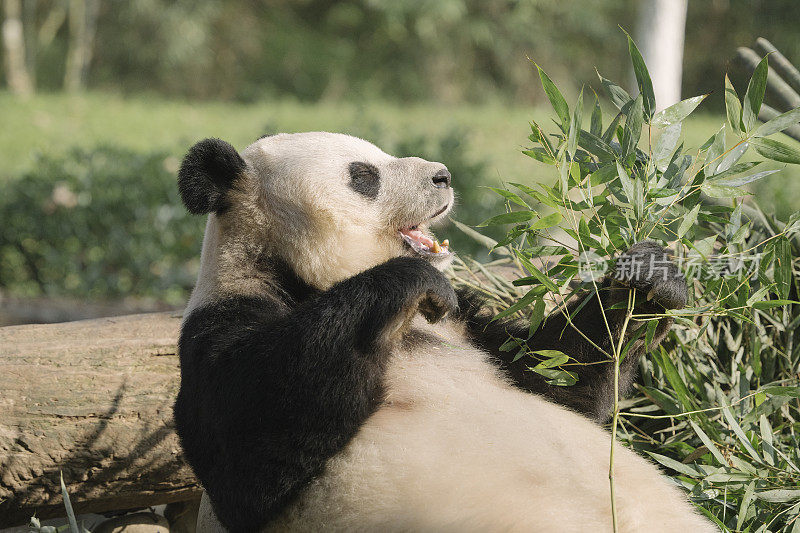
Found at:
<point>54,123</point>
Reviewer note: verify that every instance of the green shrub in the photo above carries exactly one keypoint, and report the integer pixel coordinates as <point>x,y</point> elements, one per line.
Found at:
<point>97,224</point>
<point>108,223</point>
<point>718,405</point>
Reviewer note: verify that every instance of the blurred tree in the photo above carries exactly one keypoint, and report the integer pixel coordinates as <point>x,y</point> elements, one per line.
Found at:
<point>441,50</point>
<point>32,25</point>
<point>82,24</point>
<point>17,74</point>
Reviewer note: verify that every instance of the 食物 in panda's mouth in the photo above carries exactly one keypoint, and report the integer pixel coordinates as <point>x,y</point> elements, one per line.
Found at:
<point>424,244</point>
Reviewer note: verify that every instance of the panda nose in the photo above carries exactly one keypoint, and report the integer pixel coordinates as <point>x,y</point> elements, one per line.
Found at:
<point>441,180</point>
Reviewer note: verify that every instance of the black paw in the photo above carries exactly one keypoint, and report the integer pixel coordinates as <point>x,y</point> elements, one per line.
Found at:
<point>647,268</point>
<point>438,302</point>
<point>421,287</point>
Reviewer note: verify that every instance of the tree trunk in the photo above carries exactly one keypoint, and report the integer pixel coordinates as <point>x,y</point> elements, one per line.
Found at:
<point>82,25</point>
<point>29,25</point>
<point>92,399</point>
<point>19,80</point>
<point>660,33</point>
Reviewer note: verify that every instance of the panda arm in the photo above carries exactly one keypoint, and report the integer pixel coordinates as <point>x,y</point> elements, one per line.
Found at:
<point>269,393</point>
<point>581,337</point>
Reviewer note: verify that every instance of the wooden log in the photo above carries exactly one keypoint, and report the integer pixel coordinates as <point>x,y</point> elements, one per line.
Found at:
<point>92,399</point>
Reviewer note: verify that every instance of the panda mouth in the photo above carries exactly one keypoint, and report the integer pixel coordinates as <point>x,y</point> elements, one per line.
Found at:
<point>424,244</point>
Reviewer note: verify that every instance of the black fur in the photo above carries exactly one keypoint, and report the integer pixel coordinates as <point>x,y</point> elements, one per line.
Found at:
<point>593,394</point>
<point>365,179</point>
<point>208,171</point>
<point>272,387</point>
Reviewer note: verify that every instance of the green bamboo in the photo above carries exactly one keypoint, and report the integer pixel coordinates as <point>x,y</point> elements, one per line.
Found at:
<point>785,97</point>
<point>768,113</point>
<point>779,62</point>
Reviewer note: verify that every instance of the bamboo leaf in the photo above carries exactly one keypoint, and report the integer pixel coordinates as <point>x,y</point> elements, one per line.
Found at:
<point>709,443</point>
<point>779,123</point>
<point>537,274</point>
<point>556,98</point>
<point>514,217</point>
<point>575,126</point>
<point>675,465</point>
<point>766,440</point>
<point>754,95</point>
<point>596,127</point>
<point>782,268</point>
<point>536,316</point>
<point>674,378</point>
<point>676,113</point>
<point>768,304</point>
<point>557,377</point>
<point>552,358</point>
<point>512,197</point>
<point>650,333</point>
<point>735,169</point>
<point>715,190</point>
<point>633,127</point>
<point>779,495</point>
<point>739,432</point>
<point>73,524</point>
<point>714,152</point>
<point>627,183</point>
<point>733,155</point>
<point>733,107</point>
<point>619,96</point>
<point>642,79</point>
<point>595,145</point>
<point>665,145</point>
<point>538,135</point>
<point>520,304</point>
<point>540,154</point>
<point>792,392</point>
<point>608,135</point>
<point>546,222</point>
<point>776,150</point>
<point>533,193</point>
<point>747,499</point>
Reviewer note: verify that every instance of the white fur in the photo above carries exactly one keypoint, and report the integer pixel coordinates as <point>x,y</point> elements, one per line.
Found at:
<point>294,201</point>
<point>455,447</point>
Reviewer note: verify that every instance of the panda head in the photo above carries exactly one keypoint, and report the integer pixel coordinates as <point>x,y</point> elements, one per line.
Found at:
<point>328,205</point>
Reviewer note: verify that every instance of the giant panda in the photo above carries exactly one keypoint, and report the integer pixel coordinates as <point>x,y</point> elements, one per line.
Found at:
<point>333,380</point>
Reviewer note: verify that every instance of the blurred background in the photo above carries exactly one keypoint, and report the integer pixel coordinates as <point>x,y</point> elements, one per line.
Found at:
<point>99,100</point>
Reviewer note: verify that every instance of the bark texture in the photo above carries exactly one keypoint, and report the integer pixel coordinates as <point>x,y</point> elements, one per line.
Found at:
<point>92,399</point>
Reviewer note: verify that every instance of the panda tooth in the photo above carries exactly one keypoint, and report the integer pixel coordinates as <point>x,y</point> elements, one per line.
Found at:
<point>446,243</point>
<point>436,248</point>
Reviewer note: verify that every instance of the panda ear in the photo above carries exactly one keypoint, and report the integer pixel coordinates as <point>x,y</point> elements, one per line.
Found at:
<point>207,173</point>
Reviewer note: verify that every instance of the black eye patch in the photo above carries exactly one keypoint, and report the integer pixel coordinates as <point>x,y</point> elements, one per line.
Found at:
<point>365,179</point>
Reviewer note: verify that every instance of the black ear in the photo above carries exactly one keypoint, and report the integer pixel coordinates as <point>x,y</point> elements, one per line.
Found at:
<point>207,173</point>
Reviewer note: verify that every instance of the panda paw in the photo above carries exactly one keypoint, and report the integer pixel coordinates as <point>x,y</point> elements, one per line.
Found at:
<point>647,268</point>
<point>437,303</point>
<point>423,287</point>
